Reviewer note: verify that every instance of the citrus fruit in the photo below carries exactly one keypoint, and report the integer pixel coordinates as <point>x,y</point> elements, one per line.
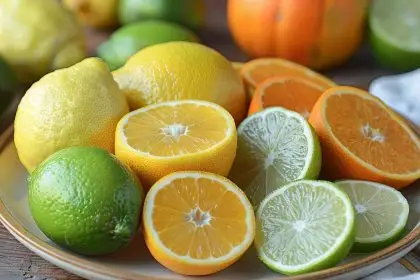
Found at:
<point>197,223</point>
<point>189,13</point>
<point>258,70</point>
<point>395,36</point>
<point>361,138</point>
<point>131,38</point>
<point>295,94</point>
<point>38,37</point>
<point>238,65</point>
<point>381,214</point>
<point>85,200</point>
<point>312,33</point>
<point>94,13</point>
<point>77,106</point>
<point>275,146</point>
<point>304,226</point>
<point>181,70</point>
<point>173,136</point>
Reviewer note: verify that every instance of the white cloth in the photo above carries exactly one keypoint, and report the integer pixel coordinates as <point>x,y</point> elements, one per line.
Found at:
<point>400,92</point>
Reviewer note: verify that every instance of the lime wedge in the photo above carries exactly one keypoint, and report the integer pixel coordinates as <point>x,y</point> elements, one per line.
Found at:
<point>381,214</point>
<point>275,147</point>
<point>304,226</point>
<point>395,33</point>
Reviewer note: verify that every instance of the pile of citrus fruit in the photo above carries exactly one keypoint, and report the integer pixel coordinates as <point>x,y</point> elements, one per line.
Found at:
<point>164,142</point>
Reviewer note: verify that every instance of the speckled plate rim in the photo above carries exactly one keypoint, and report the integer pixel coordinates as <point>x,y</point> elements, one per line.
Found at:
<point>15,227</point>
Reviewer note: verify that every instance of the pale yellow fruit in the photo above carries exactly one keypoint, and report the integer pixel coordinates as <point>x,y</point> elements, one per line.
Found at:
<point>181,70</point>
<point>39,36</point>
<point>77,106</point>
<point>176,136</point>
<point>95,13</point>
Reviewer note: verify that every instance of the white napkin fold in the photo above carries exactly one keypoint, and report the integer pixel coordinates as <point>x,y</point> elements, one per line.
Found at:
<point>400,92</point>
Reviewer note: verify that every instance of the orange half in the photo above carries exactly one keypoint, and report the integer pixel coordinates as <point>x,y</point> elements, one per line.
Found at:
<point>258,70</point>
<point>197,223</point>
<point>295,94</point>
<point>362,138</point>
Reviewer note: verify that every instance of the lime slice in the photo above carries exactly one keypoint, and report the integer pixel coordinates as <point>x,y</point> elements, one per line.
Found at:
<point>304,226</point>
<point>395,33</point>
<point>275,147</point>
<point>381,214</point>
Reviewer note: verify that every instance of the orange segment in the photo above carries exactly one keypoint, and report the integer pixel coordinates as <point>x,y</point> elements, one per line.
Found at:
<point>197,223</point>
<point>258,70</point>
<point>362,138</point>
<point>294,94</point>
<point>173,136</point>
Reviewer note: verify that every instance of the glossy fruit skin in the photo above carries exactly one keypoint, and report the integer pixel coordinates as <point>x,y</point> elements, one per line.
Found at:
<point>133,37</point>
<point>189,13</point>
<point>178,71</point>
<point>77,106</point>
<point>317,33</point>
<point>85,200</point>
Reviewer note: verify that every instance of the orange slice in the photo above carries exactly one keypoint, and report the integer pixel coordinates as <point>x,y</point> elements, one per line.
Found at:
<point>258,70</point>
<point>295,94</point>
<point>238,65</point>
<point>197,223</point>
<point>361,138</point>
<point>173,136</point>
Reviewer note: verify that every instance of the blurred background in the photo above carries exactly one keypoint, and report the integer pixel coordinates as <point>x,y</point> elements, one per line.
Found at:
<point>351,41</point>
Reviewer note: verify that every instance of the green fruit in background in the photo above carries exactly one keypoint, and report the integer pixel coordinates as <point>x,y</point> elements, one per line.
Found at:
<point>131,38</point>
<point>85,200</point>
<point>395,33</point>
<point>189,13</point>
<point>39,36</point>
<point>8,82</point>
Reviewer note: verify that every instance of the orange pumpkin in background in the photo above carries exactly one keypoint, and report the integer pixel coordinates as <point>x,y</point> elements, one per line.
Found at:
<point>317,33</point>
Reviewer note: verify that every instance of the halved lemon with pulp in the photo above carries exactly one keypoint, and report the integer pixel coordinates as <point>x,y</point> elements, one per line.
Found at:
<point>173,136</point>
<point>197,223</point>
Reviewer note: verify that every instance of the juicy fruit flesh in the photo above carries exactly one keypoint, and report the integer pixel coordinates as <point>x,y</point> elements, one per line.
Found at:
<point>263,71</point>
<point>370,133</point>
<point>272,151</point>
<point>199,218</point>
<point>300,224</point>
<point>293,95</point>
<point>176,130</point>
<point>380,210</point>
<point>398,22</point>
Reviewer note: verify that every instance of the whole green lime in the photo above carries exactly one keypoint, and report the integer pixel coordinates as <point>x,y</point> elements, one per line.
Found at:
<point>133,37</point>
<point>85,200</point>
<point>189,13</point>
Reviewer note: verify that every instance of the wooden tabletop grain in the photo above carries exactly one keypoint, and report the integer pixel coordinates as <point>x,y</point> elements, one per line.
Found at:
<point>17,262</point>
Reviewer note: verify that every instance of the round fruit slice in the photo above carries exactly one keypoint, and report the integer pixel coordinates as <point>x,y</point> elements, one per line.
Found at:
<point>295,94</point>
<point>304,226</point>
<point>275,147</point>
<point>362,138</point>
<point>197,223</point>
<point>173,136</point>
<point>381,214</point>
<point>395,35</point>
<point>258,70</point>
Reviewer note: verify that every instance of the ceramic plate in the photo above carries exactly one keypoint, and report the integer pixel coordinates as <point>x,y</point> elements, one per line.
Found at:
<point>135,262</point>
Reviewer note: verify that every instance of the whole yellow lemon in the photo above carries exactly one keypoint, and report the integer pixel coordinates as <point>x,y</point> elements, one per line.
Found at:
<point>76,106</point>
<point>38,37</point>
<point>181,70</point>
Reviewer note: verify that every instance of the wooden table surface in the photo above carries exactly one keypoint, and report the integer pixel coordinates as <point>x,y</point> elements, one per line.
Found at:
<point>17,262</point>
